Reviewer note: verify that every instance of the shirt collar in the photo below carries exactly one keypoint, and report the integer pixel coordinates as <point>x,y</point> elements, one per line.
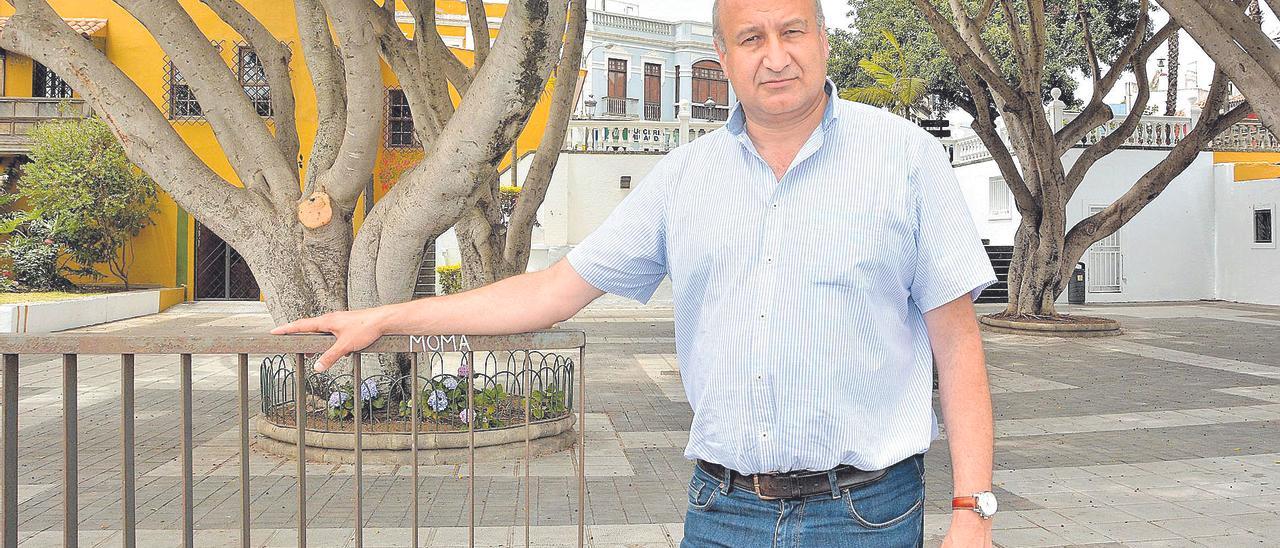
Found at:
<point>737,124</point>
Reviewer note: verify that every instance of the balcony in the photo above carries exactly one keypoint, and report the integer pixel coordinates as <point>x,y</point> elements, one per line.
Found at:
<point>713,113</point>
<point>631,23</point>
<point>619,107</point>
<point>19,114</point>
<point>652,111</point>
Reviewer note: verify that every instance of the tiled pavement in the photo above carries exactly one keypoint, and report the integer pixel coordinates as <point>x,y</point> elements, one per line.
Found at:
<point>1166,436</point>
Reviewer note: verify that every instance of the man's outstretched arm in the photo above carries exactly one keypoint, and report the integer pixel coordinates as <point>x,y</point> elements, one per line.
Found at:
<point>527,302</point>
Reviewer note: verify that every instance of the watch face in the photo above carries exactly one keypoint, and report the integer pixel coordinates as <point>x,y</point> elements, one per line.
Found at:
<point>986,503</point>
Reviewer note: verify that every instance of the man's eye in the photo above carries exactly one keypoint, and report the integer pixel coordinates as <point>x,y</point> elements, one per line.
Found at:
<point>794,31</point>
<point>750,39</point>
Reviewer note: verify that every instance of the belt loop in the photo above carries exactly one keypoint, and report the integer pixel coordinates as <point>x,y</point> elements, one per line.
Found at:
<point>835,484</point>
<point>726,484</point>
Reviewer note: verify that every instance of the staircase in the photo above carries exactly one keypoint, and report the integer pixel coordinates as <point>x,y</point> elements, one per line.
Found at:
<point>1001,256</point>
<point>425,285</point>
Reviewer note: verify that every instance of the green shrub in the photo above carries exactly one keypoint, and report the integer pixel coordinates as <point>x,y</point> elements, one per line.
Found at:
<point>450,276</point>
<point>34,256</point>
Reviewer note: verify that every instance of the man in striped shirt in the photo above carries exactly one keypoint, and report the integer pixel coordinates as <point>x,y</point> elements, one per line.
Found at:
<point>822,259</point>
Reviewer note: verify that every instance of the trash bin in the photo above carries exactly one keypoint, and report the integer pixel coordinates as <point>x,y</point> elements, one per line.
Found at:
<point>1075,287</point>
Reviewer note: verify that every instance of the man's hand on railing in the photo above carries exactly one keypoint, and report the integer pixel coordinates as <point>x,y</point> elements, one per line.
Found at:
<point>354,329</point>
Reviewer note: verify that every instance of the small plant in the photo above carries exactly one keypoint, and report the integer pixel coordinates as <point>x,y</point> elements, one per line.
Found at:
<point>342,401</point>
<point>35,257</point>
<point>450,276</point>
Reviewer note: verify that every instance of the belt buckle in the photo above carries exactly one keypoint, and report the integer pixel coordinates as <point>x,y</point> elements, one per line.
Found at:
<point>755,480</point>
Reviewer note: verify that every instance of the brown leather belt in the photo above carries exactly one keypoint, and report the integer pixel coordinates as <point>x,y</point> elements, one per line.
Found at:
<point>794,484</point>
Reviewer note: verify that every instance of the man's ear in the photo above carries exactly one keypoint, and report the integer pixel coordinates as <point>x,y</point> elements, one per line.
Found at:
<point>826,43</point>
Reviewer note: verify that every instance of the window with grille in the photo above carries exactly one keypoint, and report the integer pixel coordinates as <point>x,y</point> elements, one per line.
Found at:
<point>399,120</point>
<point>253,78</point>
<point>1264,225</point>
<point>46,83</point>
<point>179,98</point>
<point>998,205</point>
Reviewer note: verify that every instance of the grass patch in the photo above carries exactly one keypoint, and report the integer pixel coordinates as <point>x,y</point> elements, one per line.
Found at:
<point>42,296</point>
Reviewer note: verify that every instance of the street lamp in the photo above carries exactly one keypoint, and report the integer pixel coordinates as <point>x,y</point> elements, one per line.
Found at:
<point>710,105</point>
<point>590,104</point>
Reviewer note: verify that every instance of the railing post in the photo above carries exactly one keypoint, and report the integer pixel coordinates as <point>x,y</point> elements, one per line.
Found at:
<point>188,503</point>
<point>359,415</point>
<point>9,502</point>
<point>581,401</point>
<point>413,441</point>
<point>127,474</point>
<point>299,406</point>
<point>469,360</point>
<point>70,500</point>
<point>242,378</point>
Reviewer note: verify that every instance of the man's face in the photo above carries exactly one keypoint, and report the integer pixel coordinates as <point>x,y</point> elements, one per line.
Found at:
<point>774,53</point>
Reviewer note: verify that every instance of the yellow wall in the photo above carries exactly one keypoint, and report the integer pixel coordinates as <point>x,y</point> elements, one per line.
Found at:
<point>131,48</point>
<point>1251,166</point>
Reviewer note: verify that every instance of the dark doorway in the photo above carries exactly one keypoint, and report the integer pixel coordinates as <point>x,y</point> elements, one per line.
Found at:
<point>221,273</point>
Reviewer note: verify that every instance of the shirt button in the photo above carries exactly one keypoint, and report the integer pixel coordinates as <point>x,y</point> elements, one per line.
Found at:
<point>775,205</point>
<point>762,316</point>
<point>768,260</point>
<point>764,435</point>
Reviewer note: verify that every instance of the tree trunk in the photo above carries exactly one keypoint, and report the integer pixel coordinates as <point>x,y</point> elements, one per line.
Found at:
<point>1171,98</point>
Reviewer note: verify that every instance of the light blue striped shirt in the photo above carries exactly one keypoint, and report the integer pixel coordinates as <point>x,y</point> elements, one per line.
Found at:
<point>798,302</point>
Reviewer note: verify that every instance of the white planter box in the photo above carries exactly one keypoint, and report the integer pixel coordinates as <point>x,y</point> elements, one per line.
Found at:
<point>80,312</point>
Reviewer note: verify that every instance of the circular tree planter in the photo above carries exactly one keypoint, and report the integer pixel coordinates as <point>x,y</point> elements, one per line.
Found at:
<point>492,403</point>
<point>1066,326</point>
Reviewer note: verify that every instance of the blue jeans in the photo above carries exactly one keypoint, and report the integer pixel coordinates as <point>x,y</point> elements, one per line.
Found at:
<point>886,513</point>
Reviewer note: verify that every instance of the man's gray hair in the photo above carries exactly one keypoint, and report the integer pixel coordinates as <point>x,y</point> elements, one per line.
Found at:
<point>719,33</point>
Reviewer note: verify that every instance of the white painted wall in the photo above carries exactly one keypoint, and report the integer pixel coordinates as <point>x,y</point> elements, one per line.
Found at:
<point>1246,272</point>
<point>1168,248</point>
<point>584,189</point>
<point>45,317</point>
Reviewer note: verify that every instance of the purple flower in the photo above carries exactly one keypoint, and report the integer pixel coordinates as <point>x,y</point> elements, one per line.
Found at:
<point>464,370</point>
<point>464,415</point>
<point>450,383</point>
<point>338,398</point>
<point>437,401</point>
<point>368,390</point>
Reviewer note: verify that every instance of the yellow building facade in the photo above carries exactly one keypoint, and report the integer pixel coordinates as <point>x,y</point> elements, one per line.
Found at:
<point>165,254</point>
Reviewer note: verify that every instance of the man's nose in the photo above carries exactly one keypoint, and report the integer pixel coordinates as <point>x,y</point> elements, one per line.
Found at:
<point>776,58</point>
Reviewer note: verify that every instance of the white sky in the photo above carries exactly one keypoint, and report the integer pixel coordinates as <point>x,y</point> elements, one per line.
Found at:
<point>700,10</point>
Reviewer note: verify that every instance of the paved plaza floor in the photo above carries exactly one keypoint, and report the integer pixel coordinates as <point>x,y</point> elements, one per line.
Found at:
<point>1168,435</point>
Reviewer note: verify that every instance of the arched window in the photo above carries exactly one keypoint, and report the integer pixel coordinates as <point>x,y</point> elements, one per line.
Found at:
<point>709,83</point>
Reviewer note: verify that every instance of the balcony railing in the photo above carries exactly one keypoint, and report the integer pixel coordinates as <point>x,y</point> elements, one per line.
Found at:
<point>620,107</point>
<point>633,135</point>
<point>631,23</point>
<point>652,111</point>
<point>718,114</point>
<point>522,355</point>
<point>1151,132</point>
<point>19,114</point>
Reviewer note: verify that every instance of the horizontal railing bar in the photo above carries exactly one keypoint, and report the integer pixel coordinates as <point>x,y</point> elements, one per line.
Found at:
<point>214,343</point>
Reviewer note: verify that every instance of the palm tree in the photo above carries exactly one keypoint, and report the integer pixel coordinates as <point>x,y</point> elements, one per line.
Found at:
<point>898,92</point>
<point>1171,99</point>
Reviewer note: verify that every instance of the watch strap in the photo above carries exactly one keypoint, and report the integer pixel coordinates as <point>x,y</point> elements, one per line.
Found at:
<point>966,503</point>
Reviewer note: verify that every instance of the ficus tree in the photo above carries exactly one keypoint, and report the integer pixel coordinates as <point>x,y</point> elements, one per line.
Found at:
<point>294,227</point>
<point>1042,178</point>
<point>1237,44</point>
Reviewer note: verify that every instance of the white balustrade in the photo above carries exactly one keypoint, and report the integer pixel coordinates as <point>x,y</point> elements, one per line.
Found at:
<point>633,135</point>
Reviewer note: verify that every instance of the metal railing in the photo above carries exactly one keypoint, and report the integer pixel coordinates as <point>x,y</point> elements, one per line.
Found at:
<point>715,114</point>
<point>652,111</point>
<point>620,107</point>
<point>632,23</point>
<point>522,351</point>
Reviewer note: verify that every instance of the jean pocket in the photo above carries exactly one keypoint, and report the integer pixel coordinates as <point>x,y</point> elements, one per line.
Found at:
<point>701,493</point>
<point>889,500</point>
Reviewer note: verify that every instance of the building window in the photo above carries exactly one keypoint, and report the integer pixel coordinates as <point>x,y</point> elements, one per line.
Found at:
<point>46,83</point>
<point>1264,225</point>
<point>652,91</point>
<point>998,204</point>
<point>178,96</point>
<point>675,112</point>
<point>253,78</point>
<point>709,83</point>
<point>399,121</point>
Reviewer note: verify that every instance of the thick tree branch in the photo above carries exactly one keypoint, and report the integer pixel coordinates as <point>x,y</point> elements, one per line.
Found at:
<point>479,31</point>
<point>249,147</point>
<point>362,69</point>
<point>534,189</point>
<point>1095,70</point>
<point>984,12</point>
<point>274,56</point>
<point>432,50</point>
<point>962,52</point>
<point>1240,49</point>
<point>1097,112</point>
<point>329,83</point>
<point>148,139</point>
<point>429,103</point>
<point>490,115</point>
